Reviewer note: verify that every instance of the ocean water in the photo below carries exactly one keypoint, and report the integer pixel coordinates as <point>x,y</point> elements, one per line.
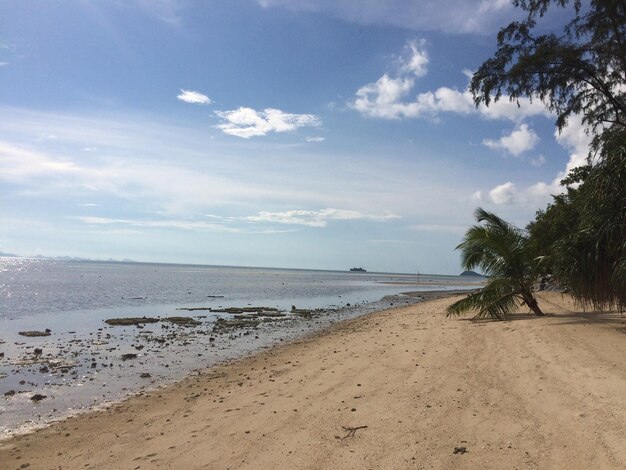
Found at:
<point>31,287</point>
<point>81,364</point>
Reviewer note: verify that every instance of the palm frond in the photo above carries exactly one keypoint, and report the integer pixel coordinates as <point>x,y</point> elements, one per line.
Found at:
<point>503,252</point>
<point>497,299</point>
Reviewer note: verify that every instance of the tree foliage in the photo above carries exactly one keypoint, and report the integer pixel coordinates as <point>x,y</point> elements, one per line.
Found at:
<point>583,233</point>
<point>580,72</point>
<point>503,252</point>
<point>581,236</point>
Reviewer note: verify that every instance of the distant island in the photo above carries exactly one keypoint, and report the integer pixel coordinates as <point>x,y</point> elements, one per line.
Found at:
<point>358,270</point>
<point>470,273</point>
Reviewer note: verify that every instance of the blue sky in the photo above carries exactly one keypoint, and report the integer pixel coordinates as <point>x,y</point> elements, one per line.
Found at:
<point>288,133</point>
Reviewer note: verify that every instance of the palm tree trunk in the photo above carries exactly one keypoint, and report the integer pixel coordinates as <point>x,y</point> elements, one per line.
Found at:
<point>534,306</point>
<point>529,299</point>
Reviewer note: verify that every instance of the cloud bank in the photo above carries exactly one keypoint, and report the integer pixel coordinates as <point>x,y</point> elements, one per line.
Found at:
<point>520,140</point>
<point>318,218</point>
<point>389,97</point>
<point>193,97</point>
<point>574,138</point>
<point>248,122</point>
<point>456,17</point>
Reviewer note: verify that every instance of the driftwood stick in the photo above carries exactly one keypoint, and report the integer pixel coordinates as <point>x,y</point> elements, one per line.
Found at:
<point>352,430</point>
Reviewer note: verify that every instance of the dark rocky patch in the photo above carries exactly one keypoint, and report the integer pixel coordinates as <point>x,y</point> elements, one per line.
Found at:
<point>183,321</point>
<point>225,325</point>
<point>34,333</point>
<point>130,321</point>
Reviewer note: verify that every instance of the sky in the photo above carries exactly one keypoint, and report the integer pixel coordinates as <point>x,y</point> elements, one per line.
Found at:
<point>318,134</point>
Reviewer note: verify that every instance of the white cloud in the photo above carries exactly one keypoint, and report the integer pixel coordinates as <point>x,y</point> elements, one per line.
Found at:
<point>3,64</point>
<point>19,164</point>
<point>574,138</point>
<point>455,16</point>
<point>520,140</point>
<point>226,224</point>
<point>515,110</point>
<point>382,98</point>
<point>133,172</point>
<point>247,122</point>
<point>175,188</point>
<point>539,161</point>
<point>445,228</point>
<point>169,223</point>
<point>316,218</point>
<point>315,139</point>
<point>389,96</point>
<point>417,62</point>
<point>193,97</point>
<point>385,99</point>
<point>503,194</point>
<point>477,196</point>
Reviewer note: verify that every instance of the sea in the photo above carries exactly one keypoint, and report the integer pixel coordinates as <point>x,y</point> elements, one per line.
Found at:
<point>83,363</point>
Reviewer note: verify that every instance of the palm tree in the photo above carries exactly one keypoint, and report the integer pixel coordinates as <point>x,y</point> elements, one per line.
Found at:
<point>502,252</point>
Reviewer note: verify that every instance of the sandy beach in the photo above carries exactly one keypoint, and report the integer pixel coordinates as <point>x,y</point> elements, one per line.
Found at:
<point>402,388</point>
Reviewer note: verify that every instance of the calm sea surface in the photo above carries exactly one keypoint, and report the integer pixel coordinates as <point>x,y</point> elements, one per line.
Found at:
<point>82,363</point>
<point>30,287</point>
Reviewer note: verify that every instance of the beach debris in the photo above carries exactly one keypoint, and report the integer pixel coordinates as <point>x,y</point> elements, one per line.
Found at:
<point>460,450</point>
<point>130,321</point>
<point>56,365</point>
<point>127,356</point>
<point>258,310</point>
<point>222,325</point>
<point>266,316</point>
<point>38,397</point>
<point>145,375</point>
<point>302,312</point>
<point>351,431</point>
<point>34,333</point>
<point>183,321</point>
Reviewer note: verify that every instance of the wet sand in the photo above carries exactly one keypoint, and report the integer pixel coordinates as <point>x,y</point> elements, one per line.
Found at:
<point>432,392</point>
<point>87,359</point>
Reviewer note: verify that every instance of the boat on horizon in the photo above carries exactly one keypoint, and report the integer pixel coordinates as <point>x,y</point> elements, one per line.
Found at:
<point>358,270</point>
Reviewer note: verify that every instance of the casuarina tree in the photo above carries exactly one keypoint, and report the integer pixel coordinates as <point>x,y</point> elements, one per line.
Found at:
<point>580,72</point>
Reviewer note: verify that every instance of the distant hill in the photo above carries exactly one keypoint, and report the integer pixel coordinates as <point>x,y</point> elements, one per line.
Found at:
<point>8,255</point>
<point>470,273</point>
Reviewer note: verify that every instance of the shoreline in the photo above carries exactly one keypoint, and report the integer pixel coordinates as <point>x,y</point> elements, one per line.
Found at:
<point>86,370</point>
<point>524,393</point>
